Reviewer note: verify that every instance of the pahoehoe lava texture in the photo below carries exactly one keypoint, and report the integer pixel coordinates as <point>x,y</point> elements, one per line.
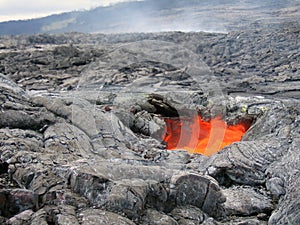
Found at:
<point>81,119</point>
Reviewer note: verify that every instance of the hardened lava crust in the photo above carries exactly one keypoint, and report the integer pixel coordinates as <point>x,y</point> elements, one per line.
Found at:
<point>82,121</point>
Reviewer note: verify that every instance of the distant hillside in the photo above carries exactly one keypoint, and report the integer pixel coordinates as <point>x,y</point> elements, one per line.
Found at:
<point>162,15</point>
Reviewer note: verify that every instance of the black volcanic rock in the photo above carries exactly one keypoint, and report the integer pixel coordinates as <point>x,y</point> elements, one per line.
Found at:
<point>82,117</point>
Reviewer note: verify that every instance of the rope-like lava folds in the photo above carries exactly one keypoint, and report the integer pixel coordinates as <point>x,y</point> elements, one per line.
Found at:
<point>198,136</point>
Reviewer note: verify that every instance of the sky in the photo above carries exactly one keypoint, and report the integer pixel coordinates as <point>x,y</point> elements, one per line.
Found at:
<point>27,9</point>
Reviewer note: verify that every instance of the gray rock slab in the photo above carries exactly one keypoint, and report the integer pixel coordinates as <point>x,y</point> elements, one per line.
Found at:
<point>194,189</point>
<point>157,218</point>
<point>246,202</point>
<point>97,216</point>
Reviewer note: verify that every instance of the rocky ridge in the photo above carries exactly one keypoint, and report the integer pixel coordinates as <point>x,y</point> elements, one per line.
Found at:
<point>82,118</point>
<point>162,15</point>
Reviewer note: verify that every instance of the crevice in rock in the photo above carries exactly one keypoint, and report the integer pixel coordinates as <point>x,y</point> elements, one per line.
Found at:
<point>162,106</point>
<point>223,179</point>
<point>3,167</point>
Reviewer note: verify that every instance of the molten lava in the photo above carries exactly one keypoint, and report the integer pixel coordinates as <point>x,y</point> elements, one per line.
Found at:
<point>198,136</point>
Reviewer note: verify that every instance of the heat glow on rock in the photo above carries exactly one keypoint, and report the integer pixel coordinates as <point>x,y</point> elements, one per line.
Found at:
<point>198,136</point>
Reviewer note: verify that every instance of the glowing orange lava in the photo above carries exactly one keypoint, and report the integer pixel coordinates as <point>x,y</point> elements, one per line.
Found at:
<point>204,137</point>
